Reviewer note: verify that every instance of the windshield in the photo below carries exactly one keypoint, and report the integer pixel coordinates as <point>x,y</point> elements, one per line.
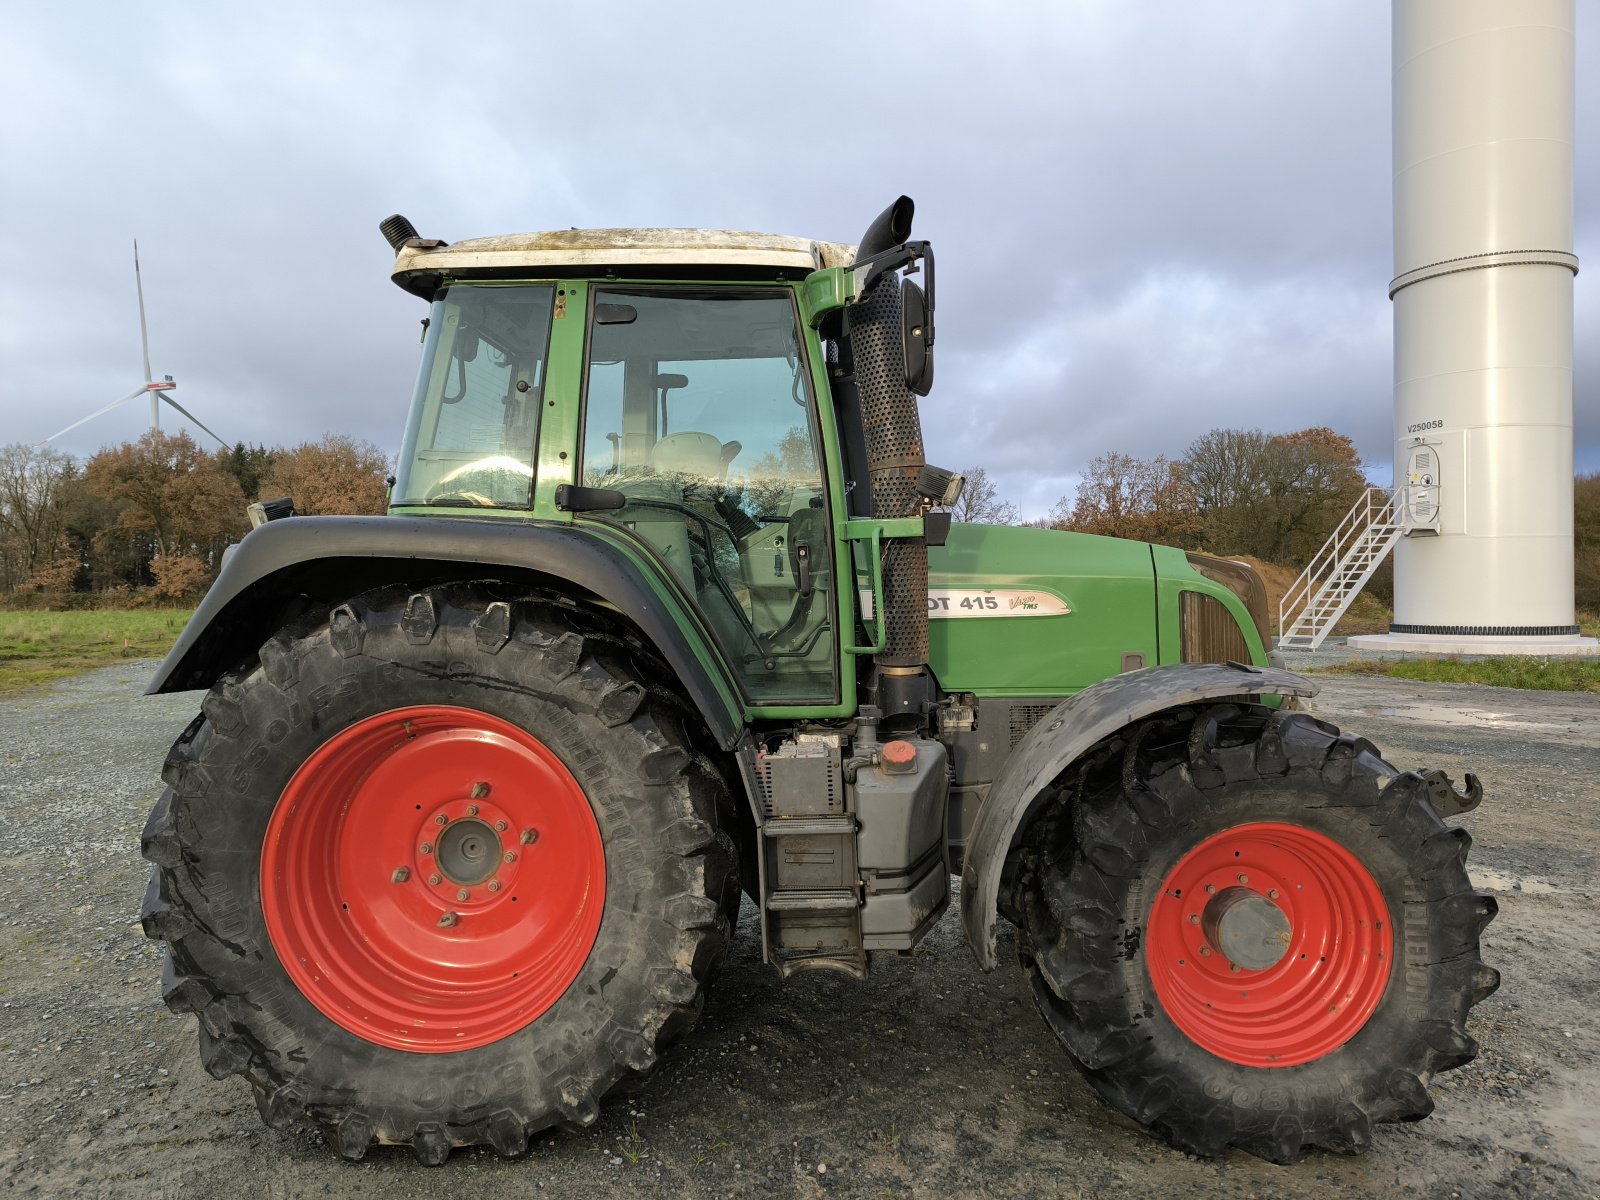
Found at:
<point>470,438</point>
<point>698,410</point>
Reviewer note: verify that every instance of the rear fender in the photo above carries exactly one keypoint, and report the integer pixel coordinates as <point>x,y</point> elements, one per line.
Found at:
<point>1059,740</point>
<point>325,560</point>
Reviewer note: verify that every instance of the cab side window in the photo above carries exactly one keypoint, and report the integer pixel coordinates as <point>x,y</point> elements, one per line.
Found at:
<point>698,409</point>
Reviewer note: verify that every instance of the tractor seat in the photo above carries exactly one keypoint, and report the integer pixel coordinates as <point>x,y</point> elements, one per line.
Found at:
<point>696,454</point>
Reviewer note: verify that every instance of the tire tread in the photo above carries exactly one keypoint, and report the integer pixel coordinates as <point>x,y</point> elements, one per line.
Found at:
<point>583,664</point>
<point>1131,801</point>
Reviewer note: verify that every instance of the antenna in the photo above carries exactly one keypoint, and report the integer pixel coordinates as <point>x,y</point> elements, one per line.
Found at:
<point>157,390</point>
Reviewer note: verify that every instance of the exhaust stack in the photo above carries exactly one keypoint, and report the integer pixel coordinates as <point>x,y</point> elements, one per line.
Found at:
<point>892,430</point>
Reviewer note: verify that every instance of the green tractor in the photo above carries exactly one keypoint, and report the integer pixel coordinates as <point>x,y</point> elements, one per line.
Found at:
<point>665,609</point>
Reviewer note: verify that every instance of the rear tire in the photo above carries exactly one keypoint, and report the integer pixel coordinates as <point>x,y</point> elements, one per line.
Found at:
<point>1373,882</point>
<point>261,859</point>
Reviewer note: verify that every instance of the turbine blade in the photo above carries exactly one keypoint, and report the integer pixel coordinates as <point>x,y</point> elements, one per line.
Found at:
<point>144,333</point>
<point>97,412</point>
<point>167,396</point>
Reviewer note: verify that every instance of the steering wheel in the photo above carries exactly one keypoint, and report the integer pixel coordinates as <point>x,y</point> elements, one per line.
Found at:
<point>705,522</point>
<point>476,499</point>
<point>477,483</point>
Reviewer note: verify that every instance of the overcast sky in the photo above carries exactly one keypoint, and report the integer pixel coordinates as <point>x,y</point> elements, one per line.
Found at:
<point>1152,218</point>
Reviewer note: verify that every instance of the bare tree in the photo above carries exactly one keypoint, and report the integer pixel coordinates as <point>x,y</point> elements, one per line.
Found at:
<point>1147,500</point>
<point>34,487</point>
<point>980,502</point>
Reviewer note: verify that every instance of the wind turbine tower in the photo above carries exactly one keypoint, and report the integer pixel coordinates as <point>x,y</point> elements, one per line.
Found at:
<point>1484,267</point>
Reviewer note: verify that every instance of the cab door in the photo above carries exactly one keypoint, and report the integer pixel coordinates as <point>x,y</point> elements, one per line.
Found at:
<point>699,411</point>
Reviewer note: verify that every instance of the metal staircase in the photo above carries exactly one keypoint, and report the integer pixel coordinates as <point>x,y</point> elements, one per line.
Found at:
<point>1319,597</point>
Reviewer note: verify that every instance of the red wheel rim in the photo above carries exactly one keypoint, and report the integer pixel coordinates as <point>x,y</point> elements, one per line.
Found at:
<point>432,878</point>
<point>1321,910</point>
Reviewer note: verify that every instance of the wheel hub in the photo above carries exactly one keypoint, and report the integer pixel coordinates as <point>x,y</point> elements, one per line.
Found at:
<point>393,882</point>
<point>469,851</point>
<point>1248,929</point>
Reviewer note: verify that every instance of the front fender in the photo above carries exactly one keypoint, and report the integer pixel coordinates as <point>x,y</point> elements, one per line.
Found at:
<point>1062,737</point>
<point>329,559</point>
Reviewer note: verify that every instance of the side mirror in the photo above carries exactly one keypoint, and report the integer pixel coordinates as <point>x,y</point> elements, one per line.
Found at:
<point>918,339</point>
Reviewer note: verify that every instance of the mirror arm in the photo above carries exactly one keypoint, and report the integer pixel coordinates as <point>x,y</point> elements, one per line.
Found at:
<point>927,256</point>
<point>869,270</point>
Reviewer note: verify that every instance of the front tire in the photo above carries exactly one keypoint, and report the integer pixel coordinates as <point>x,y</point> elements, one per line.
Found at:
<point>439,869</point>
<point>1248,929</point>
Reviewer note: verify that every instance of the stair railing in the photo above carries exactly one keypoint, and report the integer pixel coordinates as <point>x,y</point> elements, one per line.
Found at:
<point>1374,506</point>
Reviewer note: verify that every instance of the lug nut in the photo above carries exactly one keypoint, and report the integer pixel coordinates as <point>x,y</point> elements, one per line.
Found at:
<point>448,920</point>
<point>480,790</point>
<point>1211,888</point>
<point>510,856</point>
<point>472,810</point>
<point>1243,878</point>
<point>530,836</point>
<point>1194,918</point>
<point>1206,951</point>
<point>494,885</point>
<point>500,826</point>
<point>401,874</point>
<point>441,819</point>
<point>426,847</point>
<point>434,880</point>
<point>462,894</point>
<point>1233,967</point>
<point>1272,893</point>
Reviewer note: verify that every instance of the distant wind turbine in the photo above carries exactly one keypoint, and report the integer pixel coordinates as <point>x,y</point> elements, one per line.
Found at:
<point>156,390</point>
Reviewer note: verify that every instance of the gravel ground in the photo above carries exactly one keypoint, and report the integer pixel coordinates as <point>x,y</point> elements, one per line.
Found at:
<point>1339,650</point>
<point>931,1080</point>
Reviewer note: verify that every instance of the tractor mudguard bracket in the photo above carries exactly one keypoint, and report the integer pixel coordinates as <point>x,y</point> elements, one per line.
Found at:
<point>1059,740</point>
<point>1446,800</point>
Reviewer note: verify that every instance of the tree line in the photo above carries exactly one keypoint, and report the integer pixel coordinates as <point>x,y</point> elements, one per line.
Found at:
<point>147,521</point>
<point>1244,493</point>
<point>1586,528</point>
<point>1235,492</point>
<point>1275,497</point>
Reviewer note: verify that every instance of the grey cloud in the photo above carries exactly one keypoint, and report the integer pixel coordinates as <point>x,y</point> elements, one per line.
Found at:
<point>1151,219</point>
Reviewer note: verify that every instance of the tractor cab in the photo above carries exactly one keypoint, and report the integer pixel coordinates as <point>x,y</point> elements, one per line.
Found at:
<point>681,413</point>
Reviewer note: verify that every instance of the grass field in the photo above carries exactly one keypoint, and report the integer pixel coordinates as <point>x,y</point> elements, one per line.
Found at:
<point>1536,674</point>
<point>36,647</point>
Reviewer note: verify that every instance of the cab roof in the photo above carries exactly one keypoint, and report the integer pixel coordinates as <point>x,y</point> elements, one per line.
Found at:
<point>695,252</point>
